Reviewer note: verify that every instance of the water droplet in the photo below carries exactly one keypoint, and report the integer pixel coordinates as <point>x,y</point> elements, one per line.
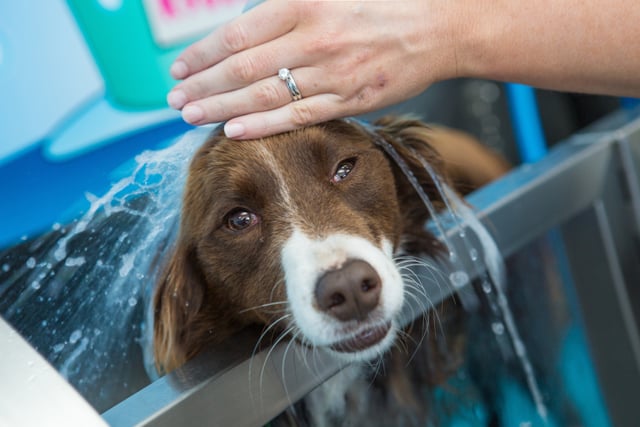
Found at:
<point>56,226</point>
<point>58,348</point>
<point>44,323</point>
<point>35,285</point>
<point>61,251</point>
<point>462,234</point>
<point>459,279</point>
<point>473,254</point>
<point>31,262</point>
<point>74,262</point>
<point>6,267</point>
<point>486,287</point>
<point>127,264</point>
<point>497,328</point>
<point>75,336</point>
<point>132,302</point>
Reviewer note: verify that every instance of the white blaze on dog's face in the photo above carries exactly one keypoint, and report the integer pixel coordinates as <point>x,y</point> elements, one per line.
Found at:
<point>356,335</point>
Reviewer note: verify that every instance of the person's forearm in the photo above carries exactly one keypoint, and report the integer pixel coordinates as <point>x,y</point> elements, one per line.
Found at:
<point>570,45</point>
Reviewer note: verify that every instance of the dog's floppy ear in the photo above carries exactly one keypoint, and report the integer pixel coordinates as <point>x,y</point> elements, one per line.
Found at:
<point>177,303</point>
<point>460,158</point>
<point>457,158</point>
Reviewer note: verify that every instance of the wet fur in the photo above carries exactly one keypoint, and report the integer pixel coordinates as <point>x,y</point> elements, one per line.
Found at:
<point>217,283</point>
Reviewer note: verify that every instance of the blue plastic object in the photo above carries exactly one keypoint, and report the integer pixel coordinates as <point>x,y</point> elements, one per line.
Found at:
<point>526,122</point>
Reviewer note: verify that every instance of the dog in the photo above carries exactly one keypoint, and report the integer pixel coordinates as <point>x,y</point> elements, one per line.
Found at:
<point>302,233</point>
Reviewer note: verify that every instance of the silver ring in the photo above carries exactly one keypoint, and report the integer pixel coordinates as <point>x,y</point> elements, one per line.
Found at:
<point>285,75</point>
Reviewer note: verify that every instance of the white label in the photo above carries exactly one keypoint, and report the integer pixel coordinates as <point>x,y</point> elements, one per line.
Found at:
<point>173,22</point>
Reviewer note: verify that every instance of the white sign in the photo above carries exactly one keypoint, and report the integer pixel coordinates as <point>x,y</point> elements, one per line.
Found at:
<point>173,22</point>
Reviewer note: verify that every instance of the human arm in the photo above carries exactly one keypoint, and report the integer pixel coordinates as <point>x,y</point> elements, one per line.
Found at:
<point>353,57</point>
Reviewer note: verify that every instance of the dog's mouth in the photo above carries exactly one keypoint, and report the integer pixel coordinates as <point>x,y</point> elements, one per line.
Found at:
<point>363,340</point>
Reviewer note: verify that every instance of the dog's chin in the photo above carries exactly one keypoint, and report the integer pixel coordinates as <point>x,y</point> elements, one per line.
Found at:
<point>365,345</point>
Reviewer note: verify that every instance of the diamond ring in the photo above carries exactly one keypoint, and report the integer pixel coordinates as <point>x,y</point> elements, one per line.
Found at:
<point>284,74</point>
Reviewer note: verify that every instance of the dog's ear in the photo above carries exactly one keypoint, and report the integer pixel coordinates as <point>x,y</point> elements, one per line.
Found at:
<point>460,158</point>
<point>457,158</point>
<point>177,302</point>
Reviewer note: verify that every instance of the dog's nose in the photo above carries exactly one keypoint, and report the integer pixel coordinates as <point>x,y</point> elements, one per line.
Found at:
<point>350,292</point>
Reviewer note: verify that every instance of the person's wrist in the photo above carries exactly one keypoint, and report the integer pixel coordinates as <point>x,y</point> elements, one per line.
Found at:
<point>472,29</point>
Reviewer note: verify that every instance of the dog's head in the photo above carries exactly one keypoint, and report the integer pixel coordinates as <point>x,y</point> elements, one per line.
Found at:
<point>296,232</point>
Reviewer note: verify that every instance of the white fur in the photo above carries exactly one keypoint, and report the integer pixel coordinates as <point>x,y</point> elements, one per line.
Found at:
<point>327,401</point>
<point>305,260</point>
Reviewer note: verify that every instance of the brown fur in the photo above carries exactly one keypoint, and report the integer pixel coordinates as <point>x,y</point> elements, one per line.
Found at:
<point>215,277</point>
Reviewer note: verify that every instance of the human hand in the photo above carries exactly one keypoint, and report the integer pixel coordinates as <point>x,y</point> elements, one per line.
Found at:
<point>347,58</point>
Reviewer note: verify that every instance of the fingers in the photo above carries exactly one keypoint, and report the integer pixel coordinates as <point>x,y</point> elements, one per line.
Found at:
<point>257,26</point>
<point>291,116</point>
<point>266,94</point>
<point>235,72</point>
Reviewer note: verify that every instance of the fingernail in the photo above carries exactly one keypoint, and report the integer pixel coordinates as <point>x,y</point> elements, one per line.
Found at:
<point>176,99</point>
<point>192,114</point>
<point>178,70</point>
<point>234,130</point>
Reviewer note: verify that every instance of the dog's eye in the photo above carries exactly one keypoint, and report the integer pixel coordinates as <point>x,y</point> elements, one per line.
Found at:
<point>343,170</point>
<point>240,219</point>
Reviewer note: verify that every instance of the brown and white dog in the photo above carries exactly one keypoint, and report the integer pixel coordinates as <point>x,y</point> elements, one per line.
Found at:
<point>305,230</point>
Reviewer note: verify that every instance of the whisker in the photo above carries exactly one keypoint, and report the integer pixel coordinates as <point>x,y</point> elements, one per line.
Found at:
<point>257,307</point>
<point>275,286</point>
<point>282,336</point>
<point>257,345</point>
<point>282,367</point>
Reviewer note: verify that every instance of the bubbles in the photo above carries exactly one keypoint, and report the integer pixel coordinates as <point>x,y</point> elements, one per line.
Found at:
<point>75,336</point>
<point>58,347</point>
<point>459,279</point>
<point>486,287</point>
<point>35,285</point>
<point>473,254</point>
<point>132,302</point>
<point>6,268</point>
<point>31,262</point>
<point>497,328</point>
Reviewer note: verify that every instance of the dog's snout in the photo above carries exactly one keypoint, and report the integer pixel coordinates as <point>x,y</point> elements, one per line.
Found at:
<point>350,292</point>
